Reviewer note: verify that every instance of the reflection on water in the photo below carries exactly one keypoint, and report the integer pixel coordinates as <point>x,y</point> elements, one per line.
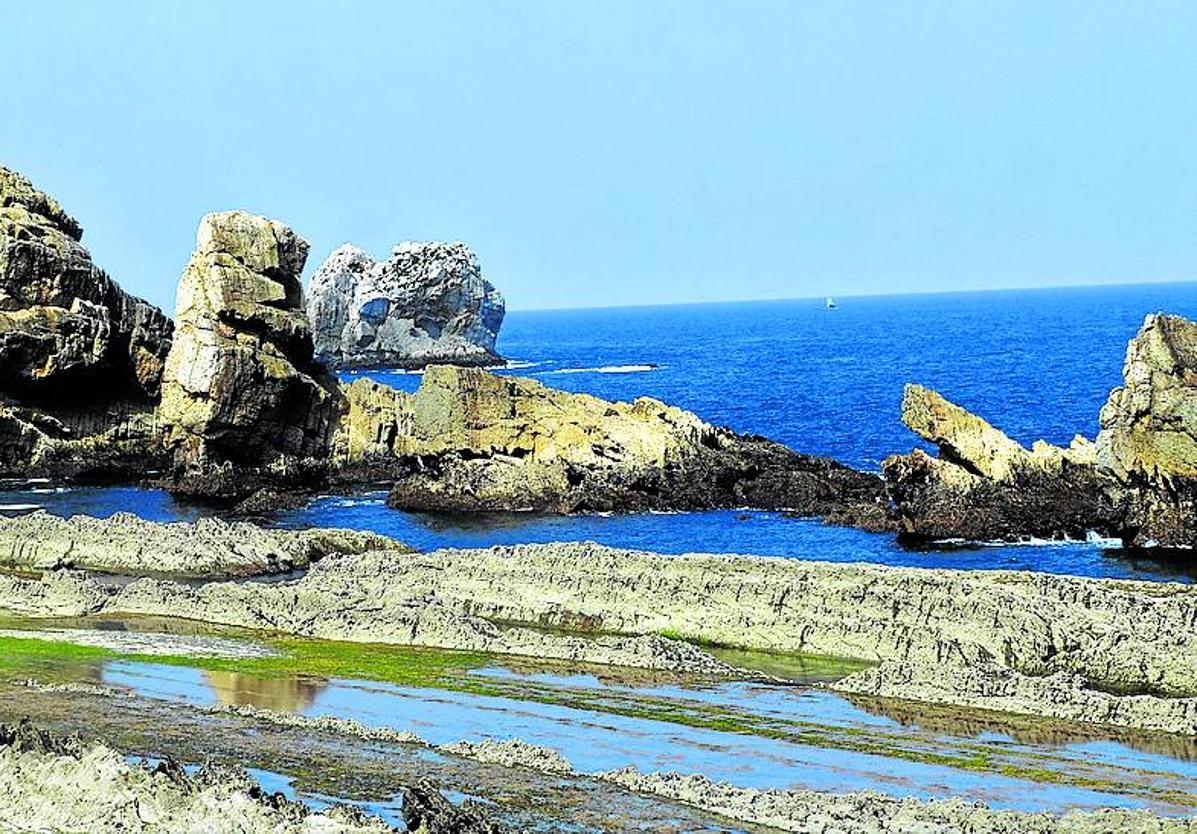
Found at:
<point>761,736</point>
<point>284,694</point>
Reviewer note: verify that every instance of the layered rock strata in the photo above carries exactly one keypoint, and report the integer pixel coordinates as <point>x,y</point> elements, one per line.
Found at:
<point>243,400</point>
<point>125,544</point>
<point>80,359</point>
<point>469,440</point>
<point>427,303</point>
<point>1104,651</point>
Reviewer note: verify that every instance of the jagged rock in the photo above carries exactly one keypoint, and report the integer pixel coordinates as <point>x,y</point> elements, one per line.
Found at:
<point>428,303</point>
<point>426,811</point>
<point>68,334</point>
<point>80,359</point>
<point>986,486</point>
<point>1148,438</point>
<point>243,401</point>
<point>471,440</point>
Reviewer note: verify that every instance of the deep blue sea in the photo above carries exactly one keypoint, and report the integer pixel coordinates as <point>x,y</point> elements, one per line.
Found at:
<point>1036,363</point>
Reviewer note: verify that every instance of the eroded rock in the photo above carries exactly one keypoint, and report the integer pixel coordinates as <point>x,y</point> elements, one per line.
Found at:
<point>243,401</point>
<point>80,359</point>
<point>68,333</point>
<point>1148,438</point>
<point>986,487</point>
<point>210,547</point>
<point>63,785</point>
<point>428,303</point>
<point>470,440</point>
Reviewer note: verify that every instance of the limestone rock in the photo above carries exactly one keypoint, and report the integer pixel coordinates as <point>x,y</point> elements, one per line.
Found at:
<point>242,398</point>
<point>427,303</point>
<point>984,486</point>
<point>1148,438</point>
<point>210,547</point>
<point>68,334</point>
<point>471,440</point>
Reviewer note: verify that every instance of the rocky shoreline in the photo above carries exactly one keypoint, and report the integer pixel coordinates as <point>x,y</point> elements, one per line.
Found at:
<point>1103,651</point>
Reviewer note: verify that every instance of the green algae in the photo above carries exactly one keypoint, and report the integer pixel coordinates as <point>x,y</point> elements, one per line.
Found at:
<point>452,671</point>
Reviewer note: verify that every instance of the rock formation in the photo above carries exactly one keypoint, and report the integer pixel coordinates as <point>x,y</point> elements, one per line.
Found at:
<point>1138,482</point>
<point>80,359</point>
<point>243,400</point>
<point>471,440</point>
<point>210,547</point>
<point>1148,438</point>
<point>428,303</point>
<point>985,486</point>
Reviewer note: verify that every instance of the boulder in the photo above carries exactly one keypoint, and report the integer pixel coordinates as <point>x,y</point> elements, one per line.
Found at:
<point>69,335</point>
<point>984,486</point>
<point>428,303</point>
<point>1148,438</point>
<point>243,401</point>
<point>471,440</point>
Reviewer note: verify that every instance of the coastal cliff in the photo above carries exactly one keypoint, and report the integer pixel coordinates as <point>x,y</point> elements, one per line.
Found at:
<point>81,360</point>
<point>427,303</point>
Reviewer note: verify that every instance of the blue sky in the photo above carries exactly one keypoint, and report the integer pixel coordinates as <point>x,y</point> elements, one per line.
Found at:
<point>601,153</point>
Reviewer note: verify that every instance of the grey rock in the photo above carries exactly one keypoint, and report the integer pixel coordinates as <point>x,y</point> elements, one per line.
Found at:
<point>428,303</point>
<point>243,401</point>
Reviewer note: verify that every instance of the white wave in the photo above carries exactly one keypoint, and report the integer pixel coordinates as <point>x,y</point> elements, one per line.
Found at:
<point>19,507</point>
<point>1091,538</point>
<point>50,490</point>
<point>518,365</point>
<point>604,369</point>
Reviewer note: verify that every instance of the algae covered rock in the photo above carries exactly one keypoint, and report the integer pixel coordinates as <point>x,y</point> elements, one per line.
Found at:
<point>68,333</point>
<point>427,303</point>
<point>472,440</point>
<point>243,399</point>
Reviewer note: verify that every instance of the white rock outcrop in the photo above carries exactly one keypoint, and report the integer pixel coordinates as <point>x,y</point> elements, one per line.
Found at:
<point>428,303</point>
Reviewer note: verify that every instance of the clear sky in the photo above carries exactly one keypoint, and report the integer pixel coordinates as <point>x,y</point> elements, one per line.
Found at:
<point>610,152</point>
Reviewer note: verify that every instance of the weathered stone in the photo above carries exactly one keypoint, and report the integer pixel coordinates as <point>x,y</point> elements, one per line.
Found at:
<point>471,440</point>
<point>68,334</point>
<point>49,783</point>
<point>1148,438</point>
<point>985,486</point>
<point>210,547</point>
<point>428,303</point>
<point>243,401</point>
<point>991,686</point>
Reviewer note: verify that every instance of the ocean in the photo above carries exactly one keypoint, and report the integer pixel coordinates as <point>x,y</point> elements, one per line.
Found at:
<point>1035,363</point>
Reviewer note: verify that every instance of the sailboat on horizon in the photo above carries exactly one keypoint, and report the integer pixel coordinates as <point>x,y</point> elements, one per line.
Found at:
<point>830,303</point>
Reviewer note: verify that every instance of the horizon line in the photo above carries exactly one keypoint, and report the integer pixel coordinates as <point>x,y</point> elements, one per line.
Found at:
<point>785,298</point>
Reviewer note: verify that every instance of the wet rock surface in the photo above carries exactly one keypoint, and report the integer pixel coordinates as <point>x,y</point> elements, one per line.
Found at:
<point>994,687</point>
<point>53,784</point>
<point>243,401</point>
<point>208,548</point>
<point>874,813</point>
<point>427,303</point>
<point>469,440</point>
